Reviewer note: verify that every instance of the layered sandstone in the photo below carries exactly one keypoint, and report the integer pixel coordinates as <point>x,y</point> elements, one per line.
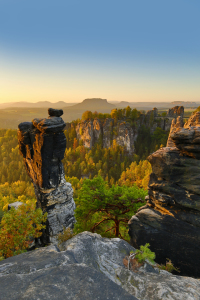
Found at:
<point>42,144</point>
<point>122,132</point>
<point>170,221</point>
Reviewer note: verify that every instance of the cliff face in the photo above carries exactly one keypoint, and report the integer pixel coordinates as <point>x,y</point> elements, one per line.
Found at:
<point>122,131</point>
<point>89,132</point>
<point>175,111</point>
<point>170,221</point>
<point>42,144</point>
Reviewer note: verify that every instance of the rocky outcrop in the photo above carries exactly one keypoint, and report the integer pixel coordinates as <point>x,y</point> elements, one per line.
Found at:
<point>175,111</point>
<point>175,125</point>
<point>15,205</point>
<point>124,133</point>
<point>89,132</point>
<point>42,144</point>
<point>170,221</point>
<point>89,267</point>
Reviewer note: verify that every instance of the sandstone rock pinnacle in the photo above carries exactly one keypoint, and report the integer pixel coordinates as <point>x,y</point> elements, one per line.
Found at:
<point>42,144</point>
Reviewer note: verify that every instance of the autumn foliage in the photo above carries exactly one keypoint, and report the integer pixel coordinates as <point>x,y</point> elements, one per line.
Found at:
<point>19,227</point>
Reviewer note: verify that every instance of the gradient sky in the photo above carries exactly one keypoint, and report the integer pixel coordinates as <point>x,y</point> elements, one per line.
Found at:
<point>119,50</point>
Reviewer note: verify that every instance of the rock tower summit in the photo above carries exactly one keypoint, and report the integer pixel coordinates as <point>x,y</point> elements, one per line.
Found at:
<point>170,221</point>
<point>42,144</point>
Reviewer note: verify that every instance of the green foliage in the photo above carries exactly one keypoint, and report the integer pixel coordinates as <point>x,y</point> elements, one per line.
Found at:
<point>11,162</point>
<point>1,215</point>
<point>87,115</point>
<point>196,110</point>
<point>17,191</point>
<point>109,163</point>
<point>168,267</point>
<point>147,143</point>
<point>18,227</point>
<point>105,209</point>
<point>65,235</point>
<point>136,174</point>
<point>145,253</point>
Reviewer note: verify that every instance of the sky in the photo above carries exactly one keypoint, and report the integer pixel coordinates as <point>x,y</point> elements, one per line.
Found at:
<point>117,50</point>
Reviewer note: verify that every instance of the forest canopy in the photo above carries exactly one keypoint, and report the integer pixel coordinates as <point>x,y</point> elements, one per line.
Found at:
<point>109,183</point>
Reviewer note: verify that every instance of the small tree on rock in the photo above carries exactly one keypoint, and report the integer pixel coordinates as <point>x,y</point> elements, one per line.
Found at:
<point>103,209</point>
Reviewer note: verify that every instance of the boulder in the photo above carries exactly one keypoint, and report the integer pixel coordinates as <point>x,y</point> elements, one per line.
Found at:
<point>55,112</point>
<point>89,267</point>
<point>15,205</point>
<point>42,144</point>
<point>170,221</point>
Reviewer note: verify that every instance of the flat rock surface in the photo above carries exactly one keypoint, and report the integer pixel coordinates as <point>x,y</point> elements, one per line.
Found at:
<point>89,267</point>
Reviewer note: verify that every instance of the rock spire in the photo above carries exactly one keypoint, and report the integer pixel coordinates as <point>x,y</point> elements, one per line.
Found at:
<point>42,144</point>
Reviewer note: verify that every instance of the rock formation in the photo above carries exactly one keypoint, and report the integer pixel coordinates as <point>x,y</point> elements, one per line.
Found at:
<point>124,134</point>
<point>176,124</point>
<point>108,130</point>
<point>42,144</point>
<point>170,221</point>
<point>175,111</point>
<point>89,267</point>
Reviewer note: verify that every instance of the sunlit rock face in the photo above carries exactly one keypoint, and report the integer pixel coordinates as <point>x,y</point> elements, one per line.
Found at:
<point>122,132</point>
<point>106,131</point>
<point>170,221</point>
<point>175,111</point>
<point>42,144</point>
<point>89,132</point>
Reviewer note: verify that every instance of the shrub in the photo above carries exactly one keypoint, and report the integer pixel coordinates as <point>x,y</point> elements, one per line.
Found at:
<point>65,235</point>
<point>18,227</point>
<point>168,267</point>
<point>145,253</point>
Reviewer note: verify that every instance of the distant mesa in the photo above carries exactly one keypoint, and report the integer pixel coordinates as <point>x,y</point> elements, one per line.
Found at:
<point>93,104</point>
<point>185,103</point>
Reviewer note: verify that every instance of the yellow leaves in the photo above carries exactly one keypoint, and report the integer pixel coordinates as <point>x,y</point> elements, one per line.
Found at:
<point>5,208</point>
<point>136,174</point>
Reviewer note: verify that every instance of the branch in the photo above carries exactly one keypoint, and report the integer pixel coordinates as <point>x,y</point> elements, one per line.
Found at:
<point>97,224</point>
<point>110,228</point>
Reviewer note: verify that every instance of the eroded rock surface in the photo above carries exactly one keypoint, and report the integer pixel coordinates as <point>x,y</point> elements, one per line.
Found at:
<point>89,267</point>
<point>123,132</point>
<point>42,144</point>
<point>175,111</point>
<point>170,221</point>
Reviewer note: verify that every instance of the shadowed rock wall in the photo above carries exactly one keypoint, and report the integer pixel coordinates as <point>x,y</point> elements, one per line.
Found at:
<point>170,221</point>
<point>42,144</point>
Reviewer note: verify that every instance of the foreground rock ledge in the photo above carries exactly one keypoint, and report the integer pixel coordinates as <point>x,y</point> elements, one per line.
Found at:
<point>89,267</point>
<point>170,221</point>
<point>42,144</point>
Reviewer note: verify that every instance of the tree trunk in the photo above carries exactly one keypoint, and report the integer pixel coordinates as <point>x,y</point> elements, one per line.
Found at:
<point>116,228</point>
